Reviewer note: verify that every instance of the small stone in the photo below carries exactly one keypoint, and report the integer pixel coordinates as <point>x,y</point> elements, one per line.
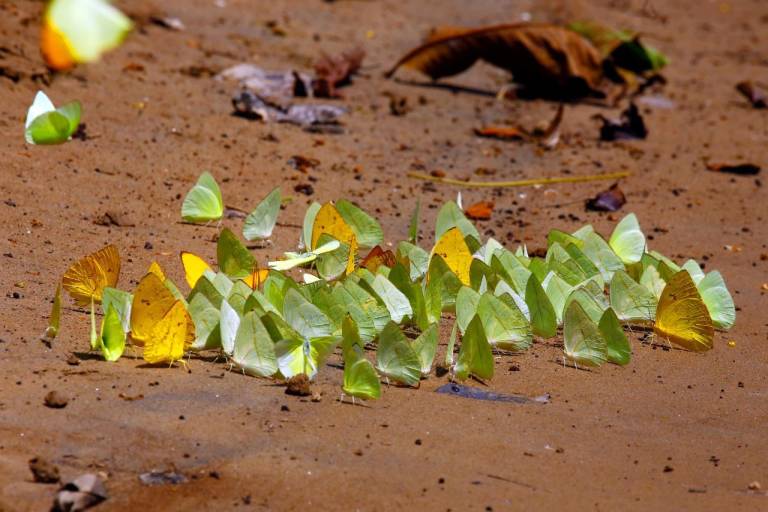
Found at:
<point>317,396</point>
<point>56,400</point>
<point>358,452</point>
<point>298,385</point>
<point>284,408</point>
<point>754,486</point>
<point>417,442</point>
<point>73,360</point>
<point>668,469</point>
<point>43,471</point>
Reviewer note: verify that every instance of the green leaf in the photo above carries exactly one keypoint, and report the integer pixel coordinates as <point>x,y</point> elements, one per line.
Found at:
<point>261,221</point>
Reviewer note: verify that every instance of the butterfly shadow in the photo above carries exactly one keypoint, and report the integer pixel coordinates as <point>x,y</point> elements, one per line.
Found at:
<point>88,356</point>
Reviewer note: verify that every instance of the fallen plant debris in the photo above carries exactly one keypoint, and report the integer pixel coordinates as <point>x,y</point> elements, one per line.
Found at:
<point>334,72</point>
<point>481,210</point>
<point>155,477</point>
<point>463,391</point>
<point>548,137</point>
<point>43,471</point>
<point>518,183</point>
<point>756,95</point>
<point>274,87</point>
<point>298,385</point>
<point>629,127</point>
<point>324,118</point>
<point>82,493</point>
<point>610,200</point>
<point>743,169</point>
<point>546,60</point>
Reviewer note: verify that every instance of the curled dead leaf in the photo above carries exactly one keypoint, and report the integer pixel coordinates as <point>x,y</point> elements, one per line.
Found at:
<point>333,72</point>
<point>548,60</point>
<point>744,169</point>
<point>610,200</point>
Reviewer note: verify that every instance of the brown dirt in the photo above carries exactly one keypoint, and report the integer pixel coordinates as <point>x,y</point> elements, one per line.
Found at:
<point>673,430</point>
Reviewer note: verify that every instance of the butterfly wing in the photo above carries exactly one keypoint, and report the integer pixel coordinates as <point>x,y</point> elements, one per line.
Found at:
<point>682,317</point>
<point>328,220</point>
<point>630,300</point>
<point>86,279</point>
<point>627,240</point>
<point>169,338</point>
<point>718,300</point>
<point>151,302</point>
<point>203,203</point>
<point>261,221</point>
<point>583,342</point>
<point>455,252</point>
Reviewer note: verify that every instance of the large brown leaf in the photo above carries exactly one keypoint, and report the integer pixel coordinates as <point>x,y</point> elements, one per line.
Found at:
<point>548,60</point>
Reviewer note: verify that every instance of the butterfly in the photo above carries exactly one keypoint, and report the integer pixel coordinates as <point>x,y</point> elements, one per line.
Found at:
<point>455,252</point>
<point>46,124</point>
<point>295,259</point>
<point>681,315</point>
<point>378,257</point>
<point>203,202</point>
<point>627,240</point>
<point>261,221</point>
<point>151,302</point>
<point>253,351</point>
<point>170,337</point>
<point>330,222</point>
<point>475,356</point>
<point>632,301</point>
<point>360,378</point>
<point>112,338</point>
<point>80,31</point>
<point>395,357</point>
<point>86,279</point>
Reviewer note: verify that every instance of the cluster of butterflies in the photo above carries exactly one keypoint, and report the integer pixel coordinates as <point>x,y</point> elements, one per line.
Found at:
<point>269,325</point>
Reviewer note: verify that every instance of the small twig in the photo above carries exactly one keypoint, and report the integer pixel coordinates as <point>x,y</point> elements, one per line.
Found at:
<point>519,183</point>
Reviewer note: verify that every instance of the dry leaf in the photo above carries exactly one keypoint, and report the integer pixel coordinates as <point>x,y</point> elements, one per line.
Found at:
<point>480,211</point>
<point>333,72</point>
<point>745,169</point>
<point>610,200</point>
<point>756,96</point>
<point>501,132</point>
<point>630,126</point>
<point>549,60</point>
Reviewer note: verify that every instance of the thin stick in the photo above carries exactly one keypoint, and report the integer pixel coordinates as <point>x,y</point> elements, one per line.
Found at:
<point>519,183</point>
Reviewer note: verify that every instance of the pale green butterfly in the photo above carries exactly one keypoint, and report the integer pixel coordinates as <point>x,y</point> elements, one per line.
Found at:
<point>631,301</point>
<point>253,350</point>
<point>557,291</point>
<point>451,216</point>
<point>599,252</point>
<point>46,124</point>
<point>229,323</point>
<point>627,240</point>
<point>715,295</point>
<point>121,301</point>
<point>360,378</point>
<point>475,356</point>
<point>425,347</point>
<point>294,259</point>
<point>617,346</point>
<point>504,324</point>
<point>296,355</point>
<point>543,317</point>
<point>112,339</point>
<point>206,317</point>
<point>467,301</point>
<point>396,302</point>
<point>305,240</point>
<point>203,202</point>
<point>234,258</point>
<point>395,357</point>
<point>261,221</point>
<point>367,230</point>
<point>583,342</point>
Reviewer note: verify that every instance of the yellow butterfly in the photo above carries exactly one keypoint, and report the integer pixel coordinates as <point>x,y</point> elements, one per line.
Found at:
<point>195,267</point>
<point>453,249</point>
<point>330,221</point>
<point>86,279</point>
<point>151,301</point>
<point>682,317</point>
<point>155,268</point>
<point>170,336</point>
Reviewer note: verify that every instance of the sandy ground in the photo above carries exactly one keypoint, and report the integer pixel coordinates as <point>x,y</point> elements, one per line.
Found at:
<point>671,431</point>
